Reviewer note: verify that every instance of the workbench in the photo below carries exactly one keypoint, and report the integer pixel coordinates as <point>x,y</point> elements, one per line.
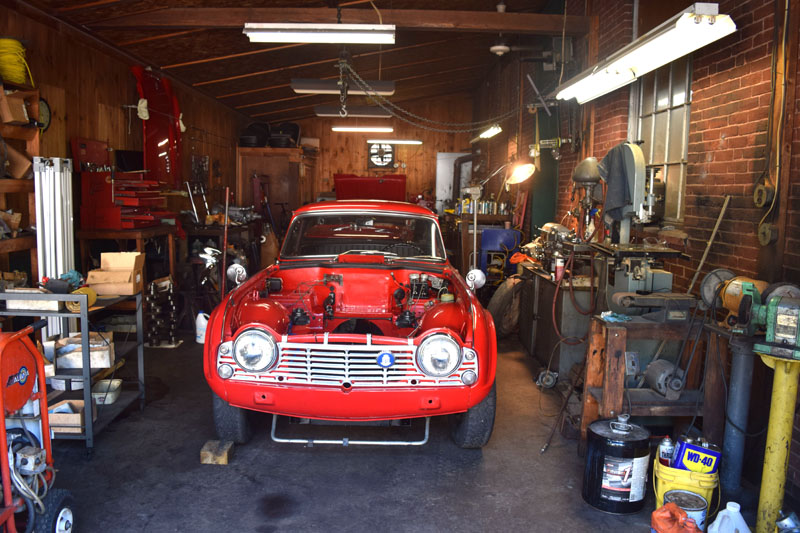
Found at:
<point>606,396</point>
<point>141,236</point>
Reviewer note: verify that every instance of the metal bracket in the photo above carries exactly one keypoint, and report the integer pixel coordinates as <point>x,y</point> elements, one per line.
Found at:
<point>347,441</point>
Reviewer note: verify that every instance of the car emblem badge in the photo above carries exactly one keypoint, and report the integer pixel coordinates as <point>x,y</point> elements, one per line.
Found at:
<point>385,360</point>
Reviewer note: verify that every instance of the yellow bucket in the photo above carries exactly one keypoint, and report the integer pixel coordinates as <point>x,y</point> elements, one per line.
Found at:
<point>666,478</point>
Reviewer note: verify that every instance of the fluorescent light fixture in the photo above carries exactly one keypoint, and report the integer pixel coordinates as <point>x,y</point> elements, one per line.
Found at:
<point>312,86</point>
<point>393,141</point>
<point>488,133</point>
<point>363,129</point>
<point>353,111</point>
<point>319,33</point>
<point>690,30</point>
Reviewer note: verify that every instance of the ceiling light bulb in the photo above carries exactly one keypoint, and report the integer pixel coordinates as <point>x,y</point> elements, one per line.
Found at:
<point>319,33</point>
<point>393,141</point>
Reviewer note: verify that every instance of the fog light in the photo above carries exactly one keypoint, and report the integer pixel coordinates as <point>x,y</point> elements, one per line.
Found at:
<point>469,355</point>
<point>224,349</point>
<point>226,371</point>
<point>469,377</point>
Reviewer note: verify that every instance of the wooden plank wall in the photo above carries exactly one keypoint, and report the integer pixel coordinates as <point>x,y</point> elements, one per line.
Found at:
<point>347,152</point>
<point>87,86</point>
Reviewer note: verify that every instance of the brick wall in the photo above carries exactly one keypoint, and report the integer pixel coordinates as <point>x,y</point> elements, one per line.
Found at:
<point>726,156</point>
<point>615,25</point>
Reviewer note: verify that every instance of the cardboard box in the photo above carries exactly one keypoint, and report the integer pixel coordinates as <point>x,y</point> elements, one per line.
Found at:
<point>19,164</point>
<point>101,351</point>
<point>13,109</point>
<point>120,273</point>
<point>71,422</point>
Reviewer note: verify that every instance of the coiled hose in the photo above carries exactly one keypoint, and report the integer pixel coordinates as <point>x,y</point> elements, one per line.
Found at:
<point>13,66</point>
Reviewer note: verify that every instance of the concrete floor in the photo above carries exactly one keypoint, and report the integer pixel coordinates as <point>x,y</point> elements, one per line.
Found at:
<point>145,474</point>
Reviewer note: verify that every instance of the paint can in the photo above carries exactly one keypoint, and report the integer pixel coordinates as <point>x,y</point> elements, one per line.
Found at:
<point>696,506</point>
<point>617,458</point>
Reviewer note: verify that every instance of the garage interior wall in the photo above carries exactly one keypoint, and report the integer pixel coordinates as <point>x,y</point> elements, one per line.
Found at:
<point>726,156</point>
<point>87,85</point>
<point>346,153</point>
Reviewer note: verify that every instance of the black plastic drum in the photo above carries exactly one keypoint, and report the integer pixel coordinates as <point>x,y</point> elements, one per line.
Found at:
<point>617,458</point>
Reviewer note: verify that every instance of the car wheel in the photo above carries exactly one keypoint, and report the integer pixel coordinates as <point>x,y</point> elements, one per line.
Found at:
<point>58,514</point>
<point>231,423</point>
<point>473,428</point>
<point>504,306</point>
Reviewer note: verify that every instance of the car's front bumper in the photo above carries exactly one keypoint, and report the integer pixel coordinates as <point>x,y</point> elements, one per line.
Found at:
<point>334,403</point>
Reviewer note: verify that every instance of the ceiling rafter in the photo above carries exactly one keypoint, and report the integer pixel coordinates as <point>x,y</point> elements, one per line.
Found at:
<point>318,62</point>
<point>443,20</point>
<point>231,56</point>
<point>415,88</point>
<point>398,102</point>
<point>363,73</point>
<point>417,76</point>
<point>158,37</point>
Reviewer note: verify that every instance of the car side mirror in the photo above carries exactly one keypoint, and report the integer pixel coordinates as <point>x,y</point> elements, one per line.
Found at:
<point>476,279</point>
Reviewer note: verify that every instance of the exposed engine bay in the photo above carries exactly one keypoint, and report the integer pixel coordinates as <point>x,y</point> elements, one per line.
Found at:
<point>397,302</point>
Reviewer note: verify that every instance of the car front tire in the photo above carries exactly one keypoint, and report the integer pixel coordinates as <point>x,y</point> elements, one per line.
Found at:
<point>474,428</point>
<point>231,423</point>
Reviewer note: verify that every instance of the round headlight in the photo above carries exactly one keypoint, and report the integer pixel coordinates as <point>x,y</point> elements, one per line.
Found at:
<point>254,350</point>
<point>438,356</point>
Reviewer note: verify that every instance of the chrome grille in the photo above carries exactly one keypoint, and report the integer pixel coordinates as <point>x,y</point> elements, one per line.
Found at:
<point>336,364</point>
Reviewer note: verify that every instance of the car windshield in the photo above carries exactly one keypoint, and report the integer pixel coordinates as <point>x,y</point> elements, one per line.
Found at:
<point>393,235</point>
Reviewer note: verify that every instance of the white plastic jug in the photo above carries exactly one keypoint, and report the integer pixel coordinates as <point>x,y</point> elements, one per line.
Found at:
<point>729,521</point>
<point>200,324</point>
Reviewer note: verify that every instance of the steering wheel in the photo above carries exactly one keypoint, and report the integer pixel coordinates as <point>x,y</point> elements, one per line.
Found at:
<point>408,244</point>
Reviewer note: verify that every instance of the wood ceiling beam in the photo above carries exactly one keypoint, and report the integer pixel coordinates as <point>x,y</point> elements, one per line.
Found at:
<point>231,56</point>
<point>362,73</point>
<point>421,19</point>
<point>414,90</point>
<point>424,75</point>
<point>318,62</point>
<point>311,114</point>
<point>158,37</point>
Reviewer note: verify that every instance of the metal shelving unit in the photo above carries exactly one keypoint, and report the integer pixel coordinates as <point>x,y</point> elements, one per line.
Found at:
<point>106,413</point>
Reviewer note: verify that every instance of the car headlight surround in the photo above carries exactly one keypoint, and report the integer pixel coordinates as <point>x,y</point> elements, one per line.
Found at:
<point>438,355</point>
<point>254,350</point>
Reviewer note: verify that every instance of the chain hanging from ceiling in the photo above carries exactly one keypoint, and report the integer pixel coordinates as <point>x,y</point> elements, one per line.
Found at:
<point>404,114</point>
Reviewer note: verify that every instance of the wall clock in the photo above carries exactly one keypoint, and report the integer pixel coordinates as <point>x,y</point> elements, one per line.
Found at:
<point>380,156</point>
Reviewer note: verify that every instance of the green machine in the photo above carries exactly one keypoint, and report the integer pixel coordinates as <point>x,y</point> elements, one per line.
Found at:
<point>779,317</point>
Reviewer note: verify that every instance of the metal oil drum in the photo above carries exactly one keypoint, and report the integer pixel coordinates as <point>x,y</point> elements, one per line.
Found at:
<point>617,458</point>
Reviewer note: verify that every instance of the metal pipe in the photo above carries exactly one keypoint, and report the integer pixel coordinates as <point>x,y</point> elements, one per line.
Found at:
<point>191,199</point>
<point>736,415</point>
<point>222,272</point>
<point>708,244</point>
<point>779,440</point>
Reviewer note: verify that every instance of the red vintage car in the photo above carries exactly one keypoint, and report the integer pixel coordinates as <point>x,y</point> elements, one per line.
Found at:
<point>361,319</point>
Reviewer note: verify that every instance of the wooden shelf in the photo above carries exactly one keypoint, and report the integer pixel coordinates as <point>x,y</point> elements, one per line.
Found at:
<point>18,244</point>
<point>26,133</point>
<point>12,186</point>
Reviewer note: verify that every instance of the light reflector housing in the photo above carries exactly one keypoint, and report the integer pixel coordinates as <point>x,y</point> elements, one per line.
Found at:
<point>259,32</point>
<point>690,30</point>
<point>315,86</point>
<point>393,141</point>
<point>363,129</point>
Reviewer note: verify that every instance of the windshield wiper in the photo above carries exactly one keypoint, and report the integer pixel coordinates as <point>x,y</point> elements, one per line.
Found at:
<point>436,257</point>
<point>369,252</point>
